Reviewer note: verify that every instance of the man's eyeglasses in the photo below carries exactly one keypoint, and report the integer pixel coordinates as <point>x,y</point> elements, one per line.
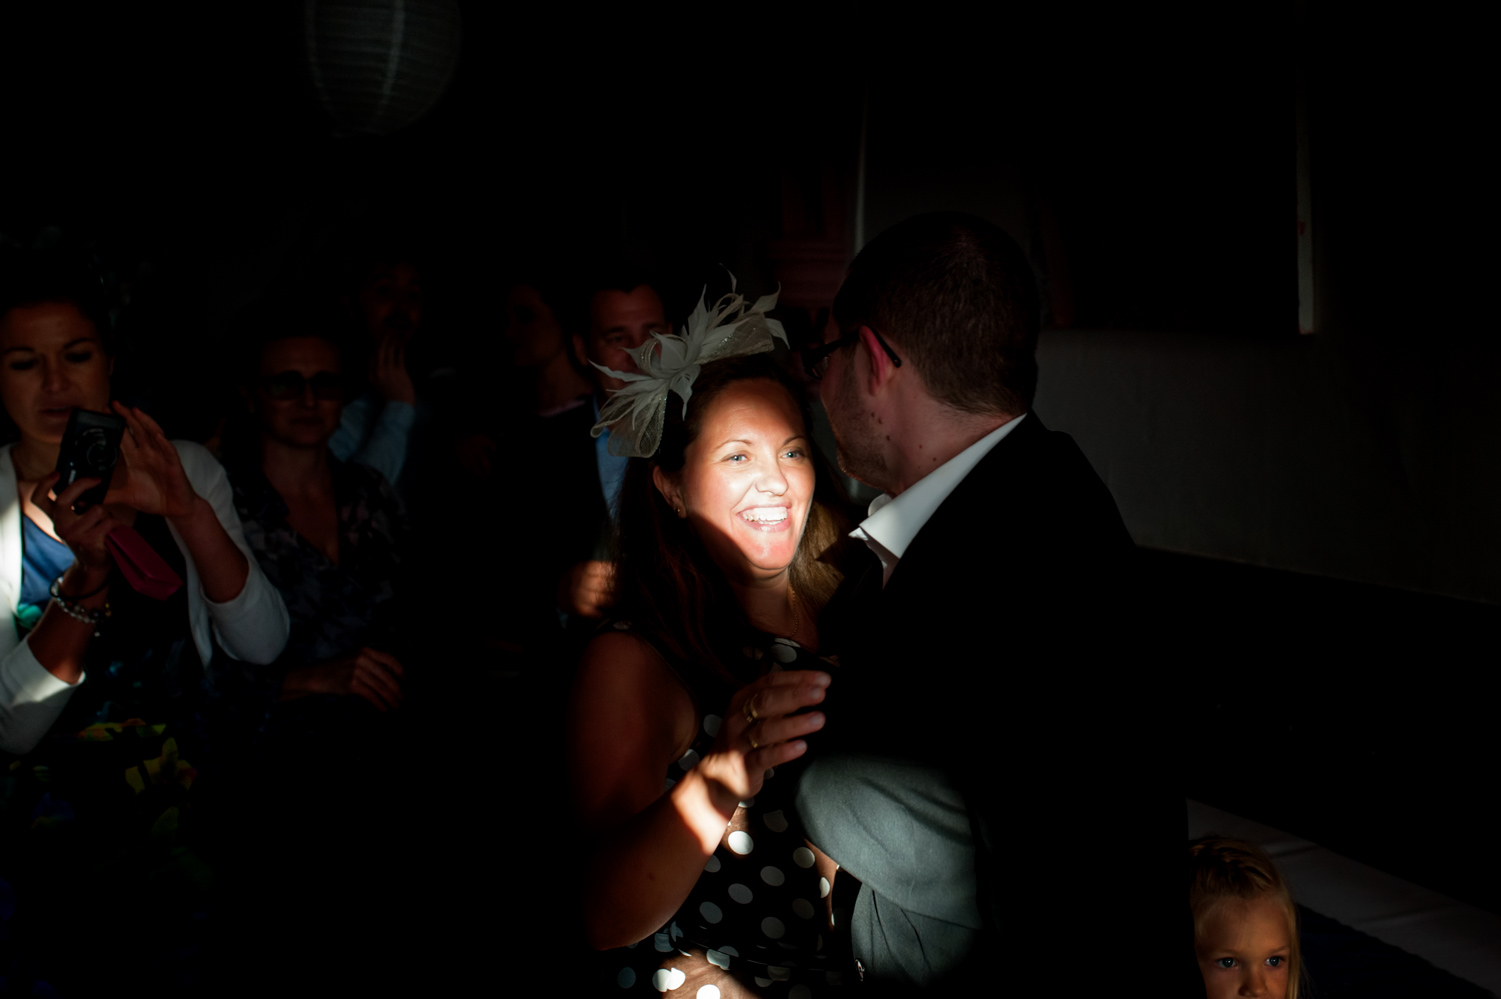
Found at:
<point>291,385</point>
<point>816,361</point>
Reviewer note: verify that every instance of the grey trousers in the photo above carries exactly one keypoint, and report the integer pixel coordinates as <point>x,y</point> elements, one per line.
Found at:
<point>901,828</point>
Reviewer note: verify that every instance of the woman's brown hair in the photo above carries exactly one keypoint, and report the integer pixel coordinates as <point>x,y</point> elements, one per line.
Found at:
<point>666,585</point>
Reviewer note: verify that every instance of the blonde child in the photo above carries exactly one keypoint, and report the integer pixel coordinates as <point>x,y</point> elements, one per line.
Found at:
<point>1245,925</point>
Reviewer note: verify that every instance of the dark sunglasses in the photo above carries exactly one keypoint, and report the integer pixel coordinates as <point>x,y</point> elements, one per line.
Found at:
<point>291,385</point>
<point>816,361</point>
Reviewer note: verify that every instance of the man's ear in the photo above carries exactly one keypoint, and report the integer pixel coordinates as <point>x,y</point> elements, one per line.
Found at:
<point>580,355</point>
<point>881,368</point>
<point>667,488</point>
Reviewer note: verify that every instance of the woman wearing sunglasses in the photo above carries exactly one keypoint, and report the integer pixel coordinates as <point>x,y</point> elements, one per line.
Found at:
<point>328,533</point>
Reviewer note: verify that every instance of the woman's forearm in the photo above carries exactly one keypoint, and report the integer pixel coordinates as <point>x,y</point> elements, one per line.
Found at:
<point>222,567</point>
<point>640,872</point>
<point>59,641</point>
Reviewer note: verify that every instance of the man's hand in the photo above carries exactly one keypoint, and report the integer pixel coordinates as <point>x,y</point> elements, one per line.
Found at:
<point>388,371</point>
<point>475,453</point>
<point>585,589</point>
<point>373,675</point>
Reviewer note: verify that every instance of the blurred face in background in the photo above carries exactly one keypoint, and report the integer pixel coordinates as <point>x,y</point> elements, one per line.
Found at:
<point>52,361</point>
<point>532,332</point>
<point>389,302</point>
<point>298,398</point>
<point>619,321</point>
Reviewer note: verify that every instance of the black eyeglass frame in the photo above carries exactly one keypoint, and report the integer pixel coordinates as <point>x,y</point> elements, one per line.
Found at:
<point>818,356</point>
<point>325,384</point>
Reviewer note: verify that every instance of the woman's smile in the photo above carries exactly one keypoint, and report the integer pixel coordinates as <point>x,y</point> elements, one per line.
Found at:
<point>769,519</point>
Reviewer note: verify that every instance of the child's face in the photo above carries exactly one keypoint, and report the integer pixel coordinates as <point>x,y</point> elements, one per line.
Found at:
<point>1245,949</point>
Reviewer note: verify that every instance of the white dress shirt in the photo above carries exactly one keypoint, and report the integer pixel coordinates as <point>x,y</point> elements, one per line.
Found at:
<point>895,520</point>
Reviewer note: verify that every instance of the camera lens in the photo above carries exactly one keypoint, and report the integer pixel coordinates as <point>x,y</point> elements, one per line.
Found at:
<point>96,451</point>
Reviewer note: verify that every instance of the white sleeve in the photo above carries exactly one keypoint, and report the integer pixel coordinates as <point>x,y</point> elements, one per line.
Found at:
<point>30,700</point>
<point>254,625</point>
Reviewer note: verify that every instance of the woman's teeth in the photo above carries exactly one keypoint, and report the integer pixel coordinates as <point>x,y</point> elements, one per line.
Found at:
<point>768,515</point>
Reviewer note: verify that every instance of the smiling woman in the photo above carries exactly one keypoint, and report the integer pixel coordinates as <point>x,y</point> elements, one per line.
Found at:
<point>728,556</point>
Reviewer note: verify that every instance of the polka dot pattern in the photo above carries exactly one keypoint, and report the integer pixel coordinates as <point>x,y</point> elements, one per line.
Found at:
<point>752,913</point>
<point>667,979</point>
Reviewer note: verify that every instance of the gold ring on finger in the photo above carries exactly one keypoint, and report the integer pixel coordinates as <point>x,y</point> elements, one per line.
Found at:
<point>750,711</point>
<point>752,740</point>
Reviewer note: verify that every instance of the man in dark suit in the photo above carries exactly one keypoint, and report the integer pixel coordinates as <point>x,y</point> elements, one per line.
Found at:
<point>570,507</point>
<point>993,770</point>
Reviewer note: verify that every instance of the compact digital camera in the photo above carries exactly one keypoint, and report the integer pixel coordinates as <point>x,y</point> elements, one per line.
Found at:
<point>90,449</point>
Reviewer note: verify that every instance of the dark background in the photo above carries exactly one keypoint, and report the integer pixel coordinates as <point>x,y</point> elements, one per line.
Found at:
<point>1152,144</point>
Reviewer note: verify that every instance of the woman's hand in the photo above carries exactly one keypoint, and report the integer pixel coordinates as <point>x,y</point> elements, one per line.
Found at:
<point>375,676</point>
<point>83,533</point>
<point>154,481</point>
<point>760,732</point>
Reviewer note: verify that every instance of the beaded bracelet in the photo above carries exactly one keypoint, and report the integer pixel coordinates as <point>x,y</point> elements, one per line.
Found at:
<point>74,610</point>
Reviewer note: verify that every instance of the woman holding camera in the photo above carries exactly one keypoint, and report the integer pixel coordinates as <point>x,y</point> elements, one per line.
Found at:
<point>106,693</point>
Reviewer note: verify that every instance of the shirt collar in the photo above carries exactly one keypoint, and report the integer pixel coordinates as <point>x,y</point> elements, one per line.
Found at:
<point>895,520</point>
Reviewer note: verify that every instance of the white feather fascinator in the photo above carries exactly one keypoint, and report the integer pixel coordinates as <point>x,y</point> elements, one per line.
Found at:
<point>732,328</point>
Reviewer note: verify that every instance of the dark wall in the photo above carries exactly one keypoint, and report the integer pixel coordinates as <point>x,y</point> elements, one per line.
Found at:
<point>1146,161</point>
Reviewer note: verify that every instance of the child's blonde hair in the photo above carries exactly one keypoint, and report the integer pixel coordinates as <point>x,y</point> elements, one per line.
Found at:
<point>1220,869</point>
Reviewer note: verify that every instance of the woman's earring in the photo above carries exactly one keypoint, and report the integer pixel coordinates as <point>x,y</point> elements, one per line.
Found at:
<point>681,513</point>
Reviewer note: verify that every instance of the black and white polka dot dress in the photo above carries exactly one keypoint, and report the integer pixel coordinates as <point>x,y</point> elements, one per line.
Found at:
<point>758,920</point>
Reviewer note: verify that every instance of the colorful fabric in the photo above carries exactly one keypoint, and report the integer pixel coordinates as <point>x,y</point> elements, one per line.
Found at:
<point>335,609</point>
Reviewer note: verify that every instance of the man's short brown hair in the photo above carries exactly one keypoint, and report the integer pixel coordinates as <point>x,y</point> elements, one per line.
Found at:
<point>957,299</point>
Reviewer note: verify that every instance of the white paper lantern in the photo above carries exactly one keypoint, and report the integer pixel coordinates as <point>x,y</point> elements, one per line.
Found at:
<point>379,65</point>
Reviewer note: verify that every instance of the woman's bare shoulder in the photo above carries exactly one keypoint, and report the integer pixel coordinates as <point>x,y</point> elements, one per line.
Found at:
<point>623,679</point>
<point>624,660</point>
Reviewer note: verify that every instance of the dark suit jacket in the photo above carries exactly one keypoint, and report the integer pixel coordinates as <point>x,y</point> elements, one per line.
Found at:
<point>1002,657</point>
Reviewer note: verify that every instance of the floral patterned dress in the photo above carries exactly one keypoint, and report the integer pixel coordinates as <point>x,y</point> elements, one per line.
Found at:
<point>759,919</point>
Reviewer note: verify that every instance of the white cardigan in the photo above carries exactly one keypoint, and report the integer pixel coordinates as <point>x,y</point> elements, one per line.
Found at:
<point>253,627</point>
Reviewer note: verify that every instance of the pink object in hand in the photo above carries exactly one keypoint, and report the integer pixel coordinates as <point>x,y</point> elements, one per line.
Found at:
<point>143,568</point>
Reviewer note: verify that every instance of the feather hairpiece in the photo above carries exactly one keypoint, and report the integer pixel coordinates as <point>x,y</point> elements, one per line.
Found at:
<point>732,328</point>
